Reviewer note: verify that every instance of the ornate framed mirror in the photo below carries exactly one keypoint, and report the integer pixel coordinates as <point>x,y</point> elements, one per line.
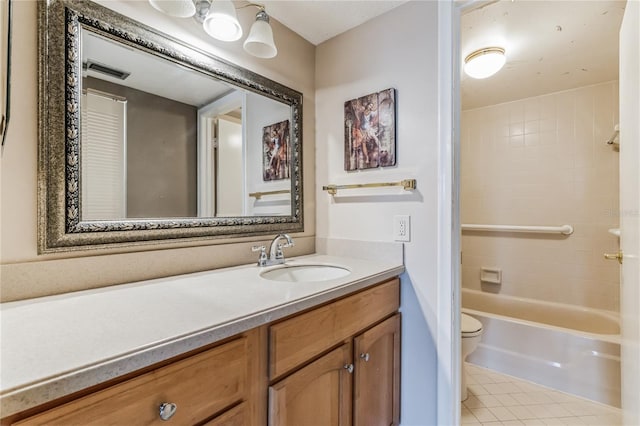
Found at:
<point>145,138</point>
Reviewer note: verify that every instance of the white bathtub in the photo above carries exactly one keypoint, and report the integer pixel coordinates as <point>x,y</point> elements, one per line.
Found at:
<point>564,347</point>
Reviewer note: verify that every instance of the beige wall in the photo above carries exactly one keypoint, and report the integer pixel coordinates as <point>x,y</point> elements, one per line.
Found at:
<point>544,161</point>
<point>24,273</point>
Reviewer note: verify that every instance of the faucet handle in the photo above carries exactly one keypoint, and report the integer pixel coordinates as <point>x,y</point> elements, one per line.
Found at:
<point>287,244</point>
<point>262,260</point>
<point>279,252</point>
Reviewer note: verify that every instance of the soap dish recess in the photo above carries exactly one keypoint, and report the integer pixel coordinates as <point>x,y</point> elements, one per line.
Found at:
<point>491,275</point>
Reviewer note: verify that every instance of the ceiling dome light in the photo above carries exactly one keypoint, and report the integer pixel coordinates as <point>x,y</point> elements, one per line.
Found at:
<point>177,8</point>
<point>222,22</point>
<point>260,41</point>
<point>484,62</point>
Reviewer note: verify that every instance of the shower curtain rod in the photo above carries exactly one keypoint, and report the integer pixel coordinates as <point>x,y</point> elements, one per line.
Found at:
<point>564,229</point>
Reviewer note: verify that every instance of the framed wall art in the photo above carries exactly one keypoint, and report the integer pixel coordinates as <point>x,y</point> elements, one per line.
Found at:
<point>370,131</point>
<point>275,151</point>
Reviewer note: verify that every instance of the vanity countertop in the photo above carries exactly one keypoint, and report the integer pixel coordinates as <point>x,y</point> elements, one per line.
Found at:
<point>54,346</point>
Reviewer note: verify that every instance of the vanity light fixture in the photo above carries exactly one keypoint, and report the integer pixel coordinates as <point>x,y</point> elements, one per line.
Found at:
<point>220,21</point>
<point>260,41</point>
<point>484,62</point>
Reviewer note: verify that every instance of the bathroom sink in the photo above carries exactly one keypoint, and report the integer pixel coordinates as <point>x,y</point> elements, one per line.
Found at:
<point>304,273</point>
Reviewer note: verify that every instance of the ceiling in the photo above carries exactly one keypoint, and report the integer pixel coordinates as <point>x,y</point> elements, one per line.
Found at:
<point>550,46</point>
<point>320,20</point>
<point>315,20</point>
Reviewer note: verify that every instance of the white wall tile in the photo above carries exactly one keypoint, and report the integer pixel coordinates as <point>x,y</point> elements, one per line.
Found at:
<point>543,161</point>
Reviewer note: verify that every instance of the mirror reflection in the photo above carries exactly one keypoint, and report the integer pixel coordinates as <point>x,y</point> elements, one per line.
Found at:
<point>160,140</point>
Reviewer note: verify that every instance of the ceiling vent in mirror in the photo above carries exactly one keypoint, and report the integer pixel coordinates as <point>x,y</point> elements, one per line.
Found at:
<point>105,69</point>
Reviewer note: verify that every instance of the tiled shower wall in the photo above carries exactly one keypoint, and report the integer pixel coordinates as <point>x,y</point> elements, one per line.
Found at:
<point>544,161</point>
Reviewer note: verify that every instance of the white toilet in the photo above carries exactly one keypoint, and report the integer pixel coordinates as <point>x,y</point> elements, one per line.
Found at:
<point>471,330</point>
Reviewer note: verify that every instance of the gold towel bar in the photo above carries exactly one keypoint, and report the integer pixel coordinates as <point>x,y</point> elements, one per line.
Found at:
<point>406,184</point>
<point>259,195</point>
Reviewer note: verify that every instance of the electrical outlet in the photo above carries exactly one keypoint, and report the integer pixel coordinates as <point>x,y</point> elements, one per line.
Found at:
<point>402,228</point>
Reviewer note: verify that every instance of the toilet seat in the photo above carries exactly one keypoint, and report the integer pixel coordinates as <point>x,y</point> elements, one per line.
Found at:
<point>469,326</point>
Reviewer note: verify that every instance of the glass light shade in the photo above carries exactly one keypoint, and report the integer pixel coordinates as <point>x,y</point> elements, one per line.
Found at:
<point>221,22</point>
<point>260,42</point>
<point>485,62</point>
<point>177,8</point>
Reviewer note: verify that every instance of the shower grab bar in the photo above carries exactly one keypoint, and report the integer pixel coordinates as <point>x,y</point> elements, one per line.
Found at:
<point>564,229</point>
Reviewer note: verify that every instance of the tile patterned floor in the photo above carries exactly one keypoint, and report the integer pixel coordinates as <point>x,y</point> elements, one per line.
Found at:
<point>498,399</point>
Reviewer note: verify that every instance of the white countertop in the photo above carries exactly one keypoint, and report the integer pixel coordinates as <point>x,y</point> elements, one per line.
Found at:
<point>54,346</point>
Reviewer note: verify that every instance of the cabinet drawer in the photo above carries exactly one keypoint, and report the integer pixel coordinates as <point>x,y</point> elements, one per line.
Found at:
<point>200,386</point>
<point>237,416</point>
<point>299,339</point>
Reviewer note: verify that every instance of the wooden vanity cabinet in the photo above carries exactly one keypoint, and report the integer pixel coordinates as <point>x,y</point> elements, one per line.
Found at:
<point>337,364</point>
<point>314,382</point>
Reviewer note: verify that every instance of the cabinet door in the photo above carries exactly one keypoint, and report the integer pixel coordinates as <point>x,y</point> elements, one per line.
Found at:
<point>316,395</point>
<point>377,375</point>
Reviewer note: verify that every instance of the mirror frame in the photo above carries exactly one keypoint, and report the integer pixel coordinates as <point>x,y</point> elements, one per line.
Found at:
<point>59,84</point>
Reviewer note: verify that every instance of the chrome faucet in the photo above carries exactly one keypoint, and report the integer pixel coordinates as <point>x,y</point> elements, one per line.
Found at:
<point>276,256</point>
<point>275,250</point>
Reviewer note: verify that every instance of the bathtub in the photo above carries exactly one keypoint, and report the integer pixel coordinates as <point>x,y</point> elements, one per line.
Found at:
<point>564,347</point>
